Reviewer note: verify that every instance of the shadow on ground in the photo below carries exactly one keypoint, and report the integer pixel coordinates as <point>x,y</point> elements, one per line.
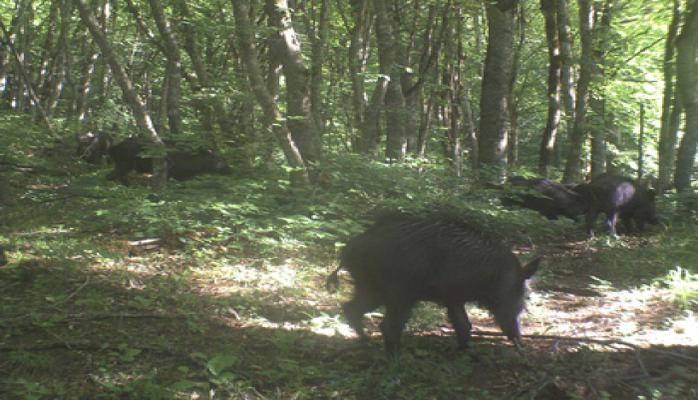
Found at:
<point>69,330</point>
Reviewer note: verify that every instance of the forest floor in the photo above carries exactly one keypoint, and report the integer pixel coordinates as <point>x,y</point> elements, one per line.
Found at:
<point>216,289</point>
<point>155,326</point>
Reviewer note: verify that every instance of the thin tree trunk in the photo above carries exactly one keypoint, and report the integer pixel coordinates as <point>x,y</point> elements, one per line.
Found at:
<point>83,88</point>
<point>100,75</point>
<point>457,93</point>
<point>496,82</point>
<point>23,57</point>
<point>59,78</point>
<point>174,67</point>
<point>300,119</point>
<point>687,85</point>
<point>547,145</point>
<point>319,44</point>
<point>395,108</point>
<point>272,115</point>
<point>433,40</point>
<point>425,126</point>
<point>598,99</point>
<point>667,135</point>
<point>370,129</point>
<point>130,95</point>
<point>597,131</point>
<point>564,33</point>
<point>641,144</point>
<point>358,56</point>
<point>49,55</point>
<point>4,76</point>
<point>412,90</point>
<point>403,54</point>
<point>573,167</point>
<point>449,111</point>
<point>470,128</point>
<point>513,140</point>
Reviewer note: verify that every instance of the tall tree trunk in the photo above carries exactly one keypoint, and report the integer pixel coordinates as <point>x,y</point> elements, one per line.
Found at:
<point>513,140</point>
<point>457,93</point>
<point>49,55</point>
<point>100,84</point>
<point>174,67</point>
<point>395,109</point>
<point>470,128</point>
<point>667,135</point>
<point>598,99</point>
<point>301,121</point>
<point>564,32</point>
<point>449,112</point>
<point>319,43</point>
<point>414,95</point>
<point>370,128</point>
<point>403,54</point>
<point>433,40</point>
<point>597,131</point>
<point>60,69</point>
<point>5,75</point>
<point>23,36</point>
<point>641,144</point>
<point>425,126</point>
<point>496,82</point>
<point>687,85</point>
<point>573,166</point>
<point>272,115</point>
<point>547,145</point>
<point>130,95</point>
<point>83,87</point>
<point>358,56</point>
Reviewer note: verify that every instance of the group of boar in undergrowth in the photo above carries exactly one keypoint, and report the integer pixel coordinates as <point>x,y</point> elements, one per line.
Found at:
<point>450,259</point>
<point>131,155</point>
<point>443,257</point>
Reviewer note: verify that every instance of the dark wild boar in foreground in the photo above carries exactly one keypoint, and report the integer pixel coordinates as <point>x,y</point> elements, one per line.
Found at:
<point>402,259</point>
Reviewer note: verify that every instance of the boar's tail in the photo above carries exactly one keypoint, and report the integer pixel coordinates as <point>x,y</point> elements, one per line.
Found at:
<point>332,282</point>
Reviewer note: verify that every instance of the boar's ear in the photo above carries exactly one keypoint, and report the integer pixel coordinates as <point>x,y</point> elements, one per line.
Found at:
<point>529,269</point>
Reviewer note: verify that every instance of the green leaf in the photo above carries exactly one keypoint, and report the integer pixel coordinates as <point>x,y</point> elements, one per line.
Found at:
<point>219,363</point>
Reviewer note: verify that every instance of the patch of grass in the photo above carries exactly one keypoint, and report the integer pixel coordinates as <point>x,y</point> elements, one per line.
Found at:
<point>683,287</point>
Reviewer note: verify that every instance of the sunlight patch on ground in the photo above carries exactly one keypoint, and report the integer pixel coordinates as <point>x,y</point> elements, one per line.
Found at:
<point>330,326</point>
<point>641,316</point>
<point>324,325</point>
<point>235,278</point>
<point>48,230</point>
<point>683,331</point>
